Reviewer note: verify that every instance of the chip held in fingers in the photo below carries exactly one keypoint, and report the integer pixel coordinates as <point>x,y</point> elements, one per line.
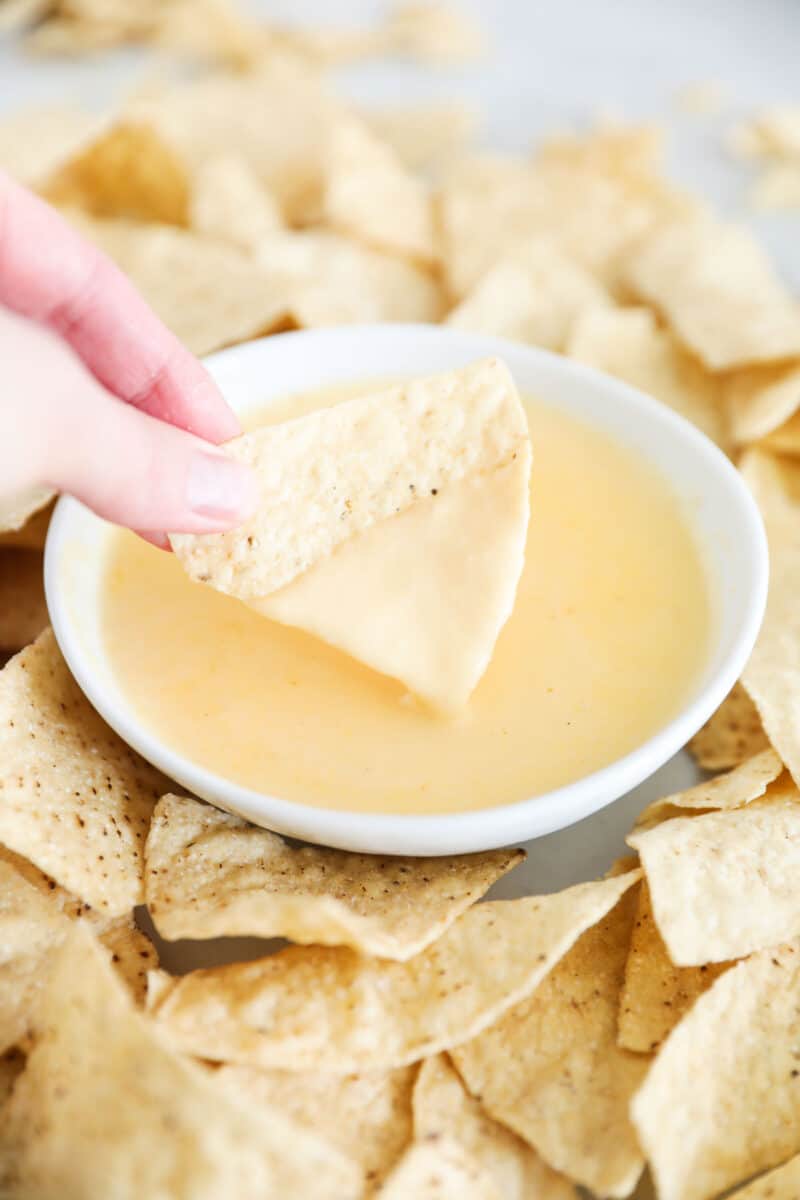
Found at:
<point>389,488</point>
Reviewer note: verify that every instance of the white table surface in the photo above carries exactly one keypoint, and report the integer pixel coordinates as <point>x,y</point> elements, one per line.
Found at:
<point>554,64</point>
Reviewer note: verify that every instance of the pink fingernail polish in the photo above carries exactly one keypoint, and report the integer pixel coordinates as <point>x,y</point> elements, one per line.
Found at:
<point>217,487</point>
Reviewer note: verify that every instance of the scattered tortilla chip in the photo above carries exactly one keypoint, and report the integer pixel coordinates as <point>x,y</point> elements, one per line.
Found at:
<point>772,676</point>
<point>65,1131</point>
<point>718,291</point>
<point>214,31</point>
<point>723,884</point>
<point>433,31</point>
<point>229,202</point>
<point>32,535</point>
<point>761,399</point>
<point>23,611</point>
<point>36,142</point>
<point>331,1009</point>
<point>367,1117</point>
<point>12,1064</point>
<point>424,136</point>
<point>209,294</point>
<point>749,780</point>
<point>628,343</point>
<point>720,1102</point>
<point>778,187</point>
<point>127,172</point>
<point>438,1170</point>
<point>785,439</point>
<point>210,874</point>
<point>551,1068</point>
<point>17,510</point>
<point>443,1108</point>
<point>532,296</point>
<point>772,133</point>
<point>608,147</point>
<point>781,1184</point>
<point>734,733</point>
<point>448,453</point>
<point>74,799</point>
<point>370,195</point>
<point>16,13</point>
<point>656,994</point>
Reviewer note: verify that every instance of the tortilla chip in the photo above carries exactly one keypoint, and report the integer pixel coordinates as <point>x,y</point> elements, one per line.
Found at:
<point>723,884</point>
<point>65,1131</point>
<point>12,1064</point>
<point>210,30</point>
<point>425,135</point>
<point>229,202</point>
<point>533,296</point>
<point>733,734</point>
<point>656,994</point>
<point>746,782</point>
<point>718,291</point>
<point>16,13</point>
<point>434,32</point>
<point>761,399</point>
<point>608,147</point>
<point>367,1117</point>
<point>209,294</point>
<point>327,279</point>
<point>772,676</point>
<point>331,1009</point>
<point>701,97</point>
<point>23,610</point>
<point>17,510</point>
<point>127,172</point>
<point>772,133</point>
<point>628,343</point>
<point>74,799</point>
<point>551,1068</point>
<point>370,195</point>
<point>720,1102</point>
<point>785,439</point>
<point>32,535</point>
<point>443,1108</point>
<point>36,142</point>
<point>209,874</point>
<point>781,1184</point>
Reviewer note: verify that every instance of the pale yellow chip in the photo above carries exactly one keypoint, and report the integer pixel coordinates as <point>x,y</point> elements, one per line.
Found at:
<point>443,1108</point>
<point>425,136</point>
<point>761,400</point>
<point>23,611</point>
<point>35,142</point>
<point>720,1102</point>
<point>433,31</point>
<point>372,196</point>
<point>439,1169</point>
<point>367,1117</point>
<point>772,676</point>
<point>535,295</point>
<point>228,201</point>
<point>731,735</point>
<point>723,884</point>
<point>551,1068</point>
<point>103,1099</point>
<point>746,782</point>
<point>17,13</point>
<point>74,799</point>
<point>781,1184</point>
<point>628,343</point>
<point>656,994</point>
<point>210,874</point>
<point>128,171</point>
<point>209,294</point>
<point>718,291</point>
<point>772,133</point>
<point>331,1009</point>
<point>17,510</point>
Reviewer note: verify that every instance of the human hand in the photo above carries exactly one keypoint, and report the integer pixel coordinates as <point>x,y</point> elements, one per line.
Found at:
<point>97,397</point>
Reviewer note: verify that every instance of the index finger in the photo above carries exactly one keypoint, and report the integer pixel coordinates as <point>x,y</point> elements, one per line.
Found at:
<point>50,273</point>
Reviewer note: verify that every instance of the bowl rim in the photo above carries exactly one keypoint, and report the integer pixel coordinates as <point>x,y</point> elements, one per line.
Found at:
<point>478,829</point>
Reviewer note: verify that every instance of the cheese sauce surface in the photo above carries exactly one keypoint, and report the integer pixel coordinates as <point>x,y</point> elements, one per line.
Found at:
<point>609,631</point>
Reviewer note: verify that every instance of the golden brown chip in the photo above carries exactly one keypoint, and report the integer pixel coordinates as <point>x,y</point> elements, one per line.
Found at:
<point>367,1117</point>
<point>127,172</point>
<point>443,1108</point>
<point>628,343</point>
<point>733,734</point>
<point>718,291</point>
<point>786,438</point>
<point>746,782</point>
<point>210,874</point>
<point>656,994</point>
<point>772,676</point>
<point>335,1010</point>
<point>102,1098</point>
<point>551,1068</point>
<point>438,1169</point>
<point>23,611</point>
<point>781,1184</point>
<point>74,799</point>
<point>720,1102</point>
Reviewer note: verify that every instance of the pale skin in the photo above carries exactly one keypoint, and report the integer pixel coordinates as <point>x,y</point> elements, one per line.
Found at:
<point>97,397</point>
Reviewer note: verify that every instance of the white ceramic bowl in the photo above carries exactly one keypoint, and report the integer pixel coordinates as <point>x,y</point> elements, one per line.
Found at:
<point>711,492</point>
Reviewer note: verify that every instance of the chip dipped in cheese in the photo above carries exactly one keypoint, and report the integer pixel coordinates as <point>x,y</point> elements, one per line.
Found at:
<point>391,526</point>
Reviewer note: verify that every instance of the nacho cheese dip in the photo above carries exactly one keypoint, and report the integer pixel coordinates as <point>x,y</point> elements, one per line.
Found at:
<point>609,630</point>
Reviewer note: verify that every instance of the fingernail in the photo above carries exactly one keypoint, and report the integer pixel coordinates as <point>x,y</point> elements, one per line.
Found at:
<point>220,488</point>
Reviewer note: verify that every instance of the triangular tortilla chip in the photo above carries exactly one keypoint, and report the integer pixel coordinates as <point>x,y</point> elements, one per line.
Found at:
<point>398,522</point>
<point>439,1170</point>
<point>731,735</point>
